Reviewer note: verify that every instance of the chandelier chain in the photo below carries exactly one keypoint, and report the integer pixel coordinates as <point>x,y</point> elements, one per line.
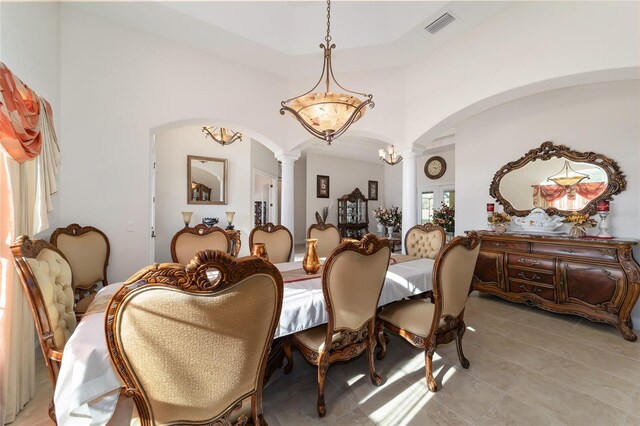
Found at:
<point>328,37</point>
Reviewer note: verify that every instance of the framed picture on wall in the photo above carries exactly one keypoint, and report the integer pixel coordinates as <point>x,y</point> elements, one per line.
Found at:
<point>322,186</point>
<point>373,190</point>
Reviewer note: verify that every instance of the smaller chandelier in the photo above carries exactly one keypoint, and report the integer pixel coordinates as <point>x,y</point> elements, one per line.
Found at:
<point>327,115</point>
<point>391,157</point>
<point>563,178</point>
<point>221,135</point>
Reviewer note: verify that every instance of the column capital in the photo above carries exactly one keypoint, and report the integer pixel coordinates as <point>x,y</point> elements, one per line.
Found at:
<point>288,158</point>
<point>412,152</point>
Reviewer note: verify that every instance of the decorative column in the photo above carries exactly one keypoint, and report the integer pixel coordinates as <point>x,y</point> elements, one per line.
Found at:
<point>286,208</point>
<point>409,191</point>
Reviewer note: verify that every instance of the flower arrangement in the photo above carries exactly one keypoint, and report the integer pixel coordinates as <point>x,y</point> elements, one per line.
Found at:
<point>498,217</point>
<point>445,216</point>
<point>388,216</point>
<point>580,219</point>
<point>579,223</point>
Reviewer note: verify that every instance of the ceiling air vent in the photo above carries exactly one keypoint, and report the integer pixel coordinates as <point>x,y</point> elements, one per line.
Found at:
<point>440,23</point>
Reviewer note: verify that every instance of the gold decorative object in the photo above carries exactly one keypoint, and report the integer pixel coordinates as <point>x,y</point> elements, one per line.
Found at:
<point>311,261</point>
<point>392,158</point>
<point>259,250</point>
<point>186,217</point>
<point>327,115</point>
<point>222,135</point>
<point>562,178</point>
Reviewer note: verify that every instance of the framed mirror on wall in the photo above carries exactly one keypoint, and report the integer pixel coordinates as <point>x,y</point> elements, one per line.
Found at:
<point>207,180</point>
<point>557,179</point>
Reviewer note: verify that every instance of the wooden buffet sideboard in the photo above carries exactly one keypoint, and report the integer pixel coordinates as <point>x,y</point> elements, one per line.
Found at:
<point>593,278</point>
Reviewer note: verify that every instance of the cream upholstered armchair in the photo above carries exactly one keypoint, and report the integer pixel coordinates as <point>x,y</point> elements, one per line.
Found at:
<point>46,280</point>
<point>426,325</point>
<point>211,369</point>
<point>352,281</point>
<point>328,237</point>
<point>87,250</point>
<point>424,240</point>
<point>277,239</point>
<point>189,241</point>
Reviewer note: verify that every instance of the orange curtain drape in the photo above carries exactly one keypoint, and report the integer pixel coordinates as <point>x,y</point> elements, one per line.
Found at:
<point>20,120</point>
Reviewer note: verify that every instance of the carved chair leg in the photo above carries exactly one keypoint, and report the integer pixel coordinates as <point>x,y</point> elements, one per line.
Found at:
<point>286,347</point>
<point>461,329</point>
<point>52,411</point>
<point>428,361</point>
<point>323,367</point>
<point>381,340</point>
<point>371,347</point>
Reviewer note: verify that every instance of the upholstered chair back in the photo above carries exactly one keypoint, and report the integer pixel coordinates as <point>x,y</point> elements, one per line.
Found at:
<point>328,237</point>
<point>352,281</point>
<point>195,349</point>
<point>189,241</point>
<point>277,239</point>
<point>46,280</point>
<point>424,241</point>
<point>455,272</point>
<point>87,250</point>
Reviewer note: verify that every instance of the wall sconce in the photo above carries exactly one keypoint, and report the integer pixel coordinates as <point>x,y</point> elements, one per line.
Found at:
<point>221,135</point>
<point>391,158</point>
<point>186,217</point>
<point>230,216</point>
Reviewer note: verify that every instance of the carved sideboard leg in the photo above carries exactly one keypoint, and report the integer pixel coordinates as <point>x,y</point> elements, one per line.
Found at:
<point>626,328</point>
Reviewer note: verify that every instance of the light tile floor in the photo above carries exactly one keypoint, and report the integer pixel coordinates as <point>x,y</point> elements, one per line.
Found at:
<point>528,367</point>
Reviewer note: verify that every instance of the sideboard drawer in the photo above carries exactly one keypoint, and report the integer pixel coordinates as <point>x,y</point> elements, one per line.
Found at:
<point>575,250</point>
<point>548,293</point>
<point>504,245</point>
<point>519,261</point>
<point>534,277</point>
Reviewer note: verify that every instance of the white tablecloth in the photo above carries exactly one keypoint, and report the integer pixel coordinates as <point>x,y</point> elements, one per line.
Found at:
<point>88,387</point>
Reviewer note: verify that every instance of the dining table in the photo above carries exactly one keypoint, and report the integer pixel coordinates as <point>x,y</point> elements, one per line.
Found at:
<point>88,388</point>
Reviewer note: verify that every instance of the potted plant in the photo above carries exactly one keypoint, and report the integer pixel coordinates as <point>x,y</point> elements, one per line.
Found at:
<point>579,223</point>
<point>445,217</point>
<point>498,221</point>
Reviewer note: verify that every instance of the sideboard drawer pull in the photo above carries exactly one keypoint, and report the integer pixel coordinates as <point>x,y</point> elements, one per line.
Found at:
<point>497,244</point>
<point>524,262</point>
<point>522,286</point>
<point>534,277</point>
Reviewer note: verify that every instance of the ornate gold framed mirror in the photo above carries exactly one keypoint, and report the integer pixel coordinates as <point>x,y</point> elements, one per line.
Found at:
<point>206,180</point>
<point>558,180</point>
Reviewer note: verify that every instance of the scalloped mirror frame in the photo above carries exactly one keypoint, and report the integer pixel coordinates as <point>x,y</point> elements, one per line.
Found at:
<point>617,180</point>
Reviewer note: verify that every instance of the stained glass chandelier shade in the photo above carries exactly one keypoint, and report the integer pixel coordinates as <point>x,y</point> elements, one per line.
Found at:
<point>567,176</point>
<point>327,115</point>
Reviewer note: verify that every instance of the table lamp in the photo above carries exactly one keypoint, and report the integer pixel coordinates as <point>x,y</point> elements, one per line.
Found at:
<point>230,216</point>
<point>186,217</point>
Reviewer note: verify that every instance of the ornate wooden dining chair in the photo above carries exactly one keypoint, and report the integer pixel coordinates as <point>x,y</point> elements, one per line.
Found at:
<point>194,351</point>
<point>46,280</point>
<point>424,240</point>
<point>277,239</point>
<point>328,237</point>
<point>425,324</point>
<point>352,281</point>
<point>87,250</point>
<point>189,241</point>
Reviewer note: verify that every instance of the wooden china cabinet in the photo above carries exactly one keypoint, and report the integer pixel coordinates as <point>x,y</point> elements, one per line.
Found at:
<point>595,279</point>
<point>353,215</point>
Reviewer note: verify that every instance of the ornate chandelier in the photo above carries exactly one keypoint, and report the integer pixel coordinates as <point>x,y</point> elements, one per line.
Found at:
<point>391,158</point>
<point>327,115</point>
<point>221,135</point>
<point>562,178</point>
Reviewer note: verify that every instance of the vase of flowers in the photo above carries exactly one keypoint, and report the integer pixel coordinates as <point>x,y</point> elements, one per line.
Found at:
<point>579,223</point>
<point>499,221</point>
<point>388,217</point>
<point>445,216</point>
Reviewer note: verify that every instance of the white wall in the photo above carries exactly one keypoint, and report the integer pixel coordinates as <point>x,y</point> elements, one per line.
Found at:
<point>172,147</point>
<point>599,117</point>
<point>344,176</point>
<point>300,200</point>
<point>118,85</point>
<point>30,48</point>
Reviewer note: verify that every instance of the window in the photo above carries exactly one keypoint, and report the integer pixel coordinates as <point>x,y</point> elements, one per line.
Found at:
<point>449,198</point>
<point>426,207</point>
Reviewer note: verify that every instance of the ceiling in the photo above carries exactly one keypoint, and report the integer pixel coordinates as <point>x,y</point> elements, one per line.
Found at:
<point>282,37</point>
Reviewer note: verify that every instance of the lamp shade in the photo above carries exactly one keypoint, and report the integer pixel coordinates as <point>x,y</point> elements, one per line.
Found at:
<point>230,216</point>
<point>327,112</point>
<point>186,217</point>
